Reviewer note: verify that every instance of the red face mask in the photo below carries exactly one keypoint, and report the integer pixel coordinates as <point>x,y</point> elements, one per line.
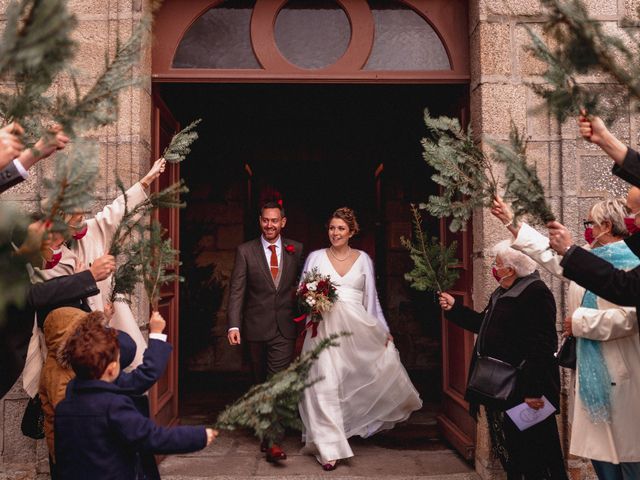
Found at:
<point>588,235</point>
<point>494,272</point>
<point>630,223</point>
<point>55,259</point>
<point>81,233</point>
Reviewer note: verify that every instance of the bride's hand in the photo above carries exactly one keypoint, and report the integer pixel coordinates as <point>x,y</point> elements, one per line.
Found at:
<point>389,339</point>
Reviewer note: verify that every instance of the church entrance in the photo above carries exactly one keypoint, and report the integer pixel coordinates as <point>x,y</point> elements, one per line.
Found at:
<point>317,104</point>
<point>314,148</point>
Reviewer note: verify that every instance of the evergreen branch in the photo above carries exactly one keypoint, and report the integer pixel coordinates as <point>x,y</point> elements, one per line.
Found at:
<point>432,261</point>
<point>271,407</point>
<point>167,198</point>
<point>36,46</point>
<point>98,107</point>
<point>523,187</point>
<point>462,170</point>
<point>181,142</point>
<point>582,46</point>
<point>72,188</point>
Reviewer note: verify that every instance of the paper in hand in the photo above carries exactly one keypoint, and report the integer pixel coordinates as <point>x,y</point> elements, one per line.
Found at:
<point>525,417</point>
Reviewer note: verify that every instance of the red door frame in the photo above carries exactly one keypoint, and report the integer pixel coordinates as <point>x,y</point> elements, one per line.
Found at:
<point>449,20</point>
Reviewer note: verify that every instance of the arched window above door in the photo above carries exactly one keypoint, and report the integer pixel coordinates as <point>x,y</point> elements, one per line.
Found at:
<point>359,39</point>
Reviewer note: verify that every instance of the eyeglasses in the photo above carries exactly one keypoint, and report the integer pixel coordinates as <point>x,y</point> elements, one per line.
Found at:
<point>495,265</point>
<point>588,224</point>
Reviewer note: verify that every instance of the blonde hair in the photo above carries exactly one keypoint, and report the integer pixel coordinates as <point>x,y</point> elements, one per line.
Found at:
<point>612,210</point>
<point>348,216</point>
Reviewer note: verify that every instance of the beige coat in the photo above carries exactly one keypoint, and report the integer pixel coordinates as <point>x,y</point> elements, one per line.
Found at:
<point>94,244</point>
<point>58,327</point>
<point>617,328</point>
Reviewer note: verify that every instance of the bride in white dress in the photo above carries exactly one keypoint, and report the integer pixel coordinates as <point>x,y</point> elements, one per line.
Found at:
<point>365,388</point>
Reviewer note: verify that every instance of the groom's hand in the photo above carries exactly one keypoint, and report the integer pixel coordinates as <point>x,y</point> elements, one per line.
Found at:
<point>234,337</point>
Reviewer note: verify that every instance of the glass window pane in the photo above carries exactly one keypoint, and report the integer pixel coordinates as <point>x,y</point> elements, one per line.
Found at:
<point>312,34</point>
<point>404,40</point>
<point>220,38</point>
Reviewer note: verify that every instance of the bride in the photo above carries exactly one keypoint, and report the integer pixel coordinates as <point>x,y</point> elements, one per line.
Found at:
<point>365,388</point>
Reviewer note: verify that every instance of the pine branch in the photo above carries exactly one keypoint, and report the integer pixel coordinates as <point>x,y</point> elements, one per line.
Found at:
<point>167,198</point>
<point>36,46</point>
<point>433,263</point>
<point>582,47</point>
<point>181,142</point>
<point>523,187</point>
<point>150,260</point>
<point>463,171</point>
<point>72,188</point>
<point>271,407</point>
<point>99,106</point>
<point>14,281</point>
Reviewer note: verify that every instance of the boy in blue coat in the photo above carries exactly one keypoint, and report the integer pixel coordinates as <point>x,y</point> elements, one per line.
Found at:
<point>98,430</point>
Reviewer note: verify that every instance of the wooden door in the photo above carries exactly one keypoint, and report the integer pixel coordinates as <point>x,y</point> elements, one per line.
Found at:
<point>163,396</point>
<point>457,346</point>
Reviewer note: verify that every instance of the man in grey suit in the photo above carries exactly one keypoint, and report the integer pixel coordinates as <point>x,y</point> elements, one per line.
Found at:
<point>262,302</point>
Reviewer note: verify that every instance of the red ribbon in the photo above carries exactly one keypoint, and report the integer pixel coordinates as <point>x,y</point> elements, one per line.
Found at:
<point>311,324</point>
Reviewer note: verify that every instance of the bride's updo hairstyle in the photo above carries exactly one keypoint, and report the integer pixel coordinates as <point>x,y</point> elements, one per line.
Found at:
<point>348,216</point>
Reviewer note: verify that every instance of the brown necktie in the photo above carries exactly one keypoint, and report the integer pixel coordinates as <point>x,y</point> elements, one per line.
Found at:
<point>274,262</point>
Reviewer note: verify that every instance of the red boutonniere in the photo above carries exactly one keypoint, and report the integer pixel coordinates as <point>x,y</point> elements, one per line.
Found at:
<point>290,249</point>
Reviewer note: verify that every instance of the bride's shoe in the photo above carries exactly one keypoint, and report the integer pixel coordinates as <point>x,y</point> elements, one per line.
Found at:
<point>327,467</point>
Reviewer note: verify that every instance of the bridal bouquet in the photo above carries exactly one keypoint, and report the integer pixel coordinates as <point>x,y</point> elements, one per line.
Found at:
<point>316,295</point>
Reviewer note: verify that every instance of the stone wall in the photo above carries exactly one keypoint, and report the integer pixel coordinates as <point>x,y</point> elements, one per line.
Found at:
<point>574,173</point>
<point>125,149</point>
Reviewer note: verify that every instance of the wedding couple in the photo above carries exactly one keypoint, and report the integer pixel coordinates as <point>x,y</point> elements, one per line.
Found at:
<point>365,388</point>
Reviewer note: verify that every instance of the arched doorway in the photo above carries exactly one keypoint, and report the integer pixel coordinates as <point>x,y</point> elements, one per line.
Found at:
<point>318,102</point>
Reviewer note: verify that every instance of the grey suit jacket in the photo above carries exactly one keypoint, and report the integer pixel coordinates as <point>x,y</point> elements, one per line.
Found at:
<point>256,306</point>
<point>9,176</point>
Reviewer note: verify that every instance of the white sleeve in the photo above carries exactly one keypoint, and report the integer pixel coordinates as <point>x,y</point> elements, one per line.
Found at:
<point>104,224</point>
<point>371,301</point>
<point>603,325</point>
<point>309,263</point>
<point>21,170</point>
<point>536,246</point>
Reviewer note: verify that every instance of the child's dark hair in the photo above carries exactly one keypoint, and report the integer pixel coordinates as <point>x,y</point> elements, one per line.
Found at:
<point>92,347</point>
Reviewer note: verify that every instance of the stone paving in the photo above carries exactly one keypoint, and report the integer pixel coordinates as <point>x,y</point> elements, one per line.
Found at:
<point>398,454</point>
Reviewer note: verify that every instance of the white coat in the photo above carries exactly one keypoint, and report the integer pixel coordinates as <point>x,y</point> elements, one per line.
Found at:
<point>617,328</point>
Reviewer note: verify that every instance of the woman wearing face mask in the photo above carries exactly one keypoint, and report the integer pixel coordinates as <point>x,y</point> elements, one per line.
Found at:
<point>604,425</point>
<point>91,240</point>
<point>518,327</point>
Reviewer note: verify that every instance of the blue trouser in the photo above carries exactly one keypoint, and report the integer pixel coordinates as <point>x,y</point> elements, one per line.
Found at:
<point>616,471</point>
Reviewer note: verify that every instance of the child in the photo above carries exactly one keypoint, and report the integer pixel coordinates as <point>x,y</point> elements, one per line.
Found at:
<point>98,429</point>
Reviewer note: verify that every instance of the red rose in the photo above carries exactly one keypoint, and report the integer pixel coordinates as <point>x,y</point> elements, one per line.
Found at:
<point>290,249</point>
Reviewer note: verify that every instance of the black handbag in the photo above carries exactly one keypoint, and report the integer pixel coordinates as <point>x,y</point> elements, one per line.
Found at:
<point>566,354</point>
<point>32,424</point>
<point>492,381</point>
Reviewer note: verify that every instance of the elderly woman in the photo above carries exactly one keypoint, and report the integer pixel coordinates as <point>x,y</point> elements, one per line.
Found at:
<point>518,327</point>
<point>604,428</point>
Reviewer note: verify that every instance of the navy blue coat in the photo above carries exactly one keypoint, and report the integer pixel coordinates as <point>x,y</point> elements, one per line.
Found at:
<point>99,432</point>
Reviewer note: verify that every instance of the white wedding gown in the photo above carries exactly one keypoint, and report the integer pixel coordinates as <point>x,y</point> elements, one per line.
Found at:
<point>365,388</point>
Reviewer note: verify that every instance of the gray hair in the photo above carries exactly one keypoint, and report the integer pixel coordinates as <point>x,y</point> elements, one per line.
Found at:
<point>522,264</point>
<point>612,210</point>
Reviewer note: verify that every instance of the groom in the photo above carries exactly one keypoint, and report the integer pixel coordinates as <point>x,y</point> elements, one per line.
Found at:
<point>262,300</point>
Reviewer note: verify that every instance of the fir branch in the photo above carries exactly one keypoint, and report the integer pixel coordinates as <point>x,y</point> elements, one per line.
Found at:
<point>433,262</point>
<point>271,407</point>
<point>99,106</point>
<point>582,47</point>
<point>523,188</point>
<point>170,197</point>
<point>463,171</point>
<point>72,188</point>
<point>181,142</point>
<point>152,260</point>
<point>36,46</point>
<point>14,281</point>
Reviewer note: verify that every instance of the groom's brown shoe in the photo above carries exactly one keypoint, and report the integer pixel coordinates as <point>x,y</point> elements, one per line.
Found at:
<point>275,454</point>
